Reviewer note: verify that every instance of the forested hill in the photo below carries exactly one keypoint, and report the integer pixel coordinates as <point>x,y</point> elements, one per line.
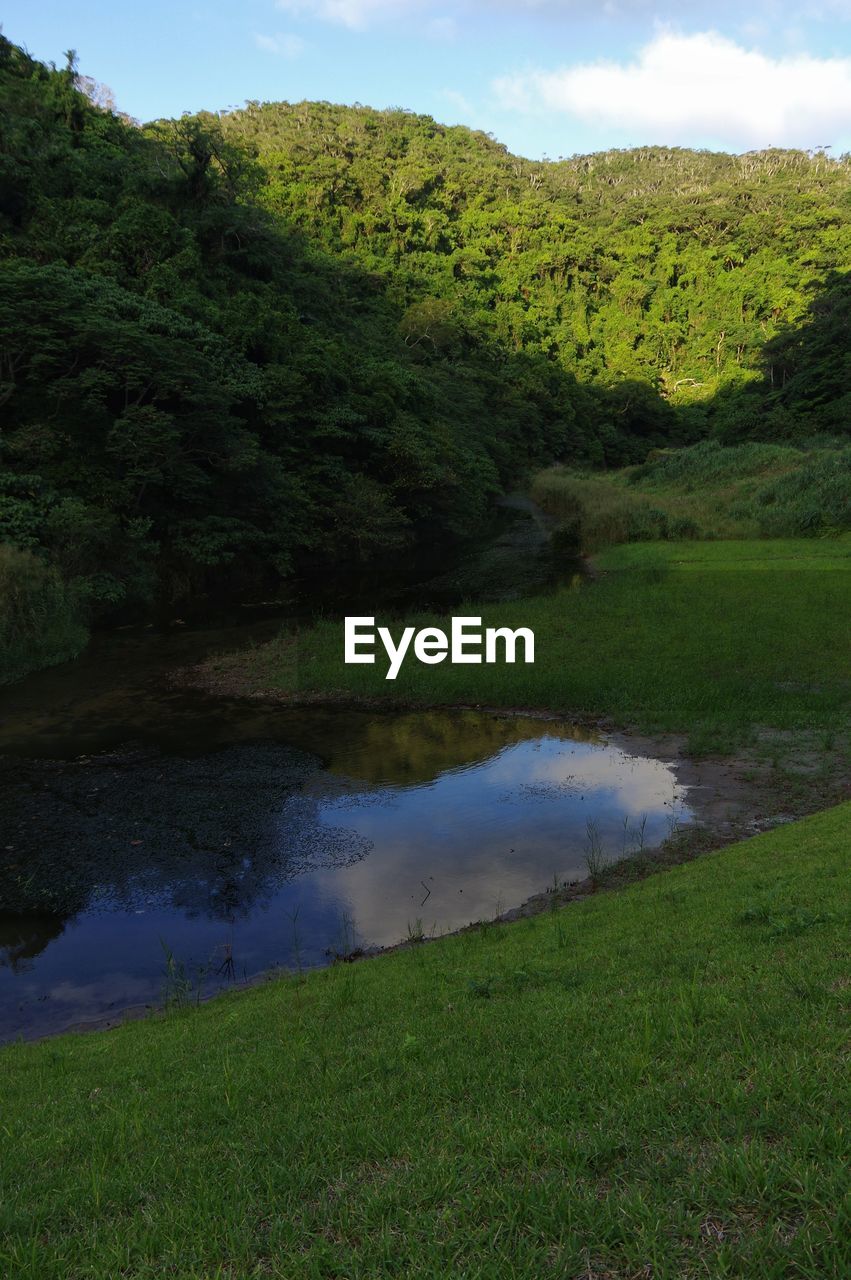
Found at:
<point>673,268</point>
<point>194,390</point>
<point>233,347</point>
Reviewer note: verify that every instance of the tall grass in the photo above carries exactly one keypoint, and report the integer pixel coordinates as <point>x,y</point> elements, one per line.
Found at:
<point>710,490</point>
<point>815,499</point>
<point>596,511</point>
<point>41,618</point>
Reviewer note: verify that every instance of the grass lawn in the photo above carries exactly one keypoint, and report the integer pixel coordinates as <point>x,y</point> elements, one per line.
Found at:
<point>651,1083</point>
<point>709,638</point>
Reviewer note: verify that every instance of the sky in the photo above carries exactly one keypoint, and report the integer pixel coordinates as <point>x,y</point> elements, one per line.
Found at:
<point>546,77</point>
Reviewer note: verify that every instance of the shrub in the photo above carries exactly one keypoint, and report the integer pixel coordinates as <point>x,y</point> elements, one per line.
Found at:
<point>709,490</point>
<point>41,617</point>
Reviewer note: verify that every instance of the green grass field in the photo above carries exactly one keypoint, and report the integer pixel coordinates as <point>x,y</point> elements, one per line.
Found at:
<point>650,1083</point>
<point>708,638</point>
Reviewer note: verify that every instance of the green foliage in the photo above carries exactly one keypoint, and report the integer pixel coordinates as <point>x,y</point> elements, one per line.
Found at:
<point>194,394</point>
<point>667,279</point>
<point>705,491</point>
<point>41,620</point>
<point>240,347</point>
<point>814,500</point>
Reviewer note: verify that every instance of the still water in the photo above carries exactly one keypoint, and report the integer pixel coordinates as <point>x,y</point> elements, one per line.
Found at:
<point>155,839</point>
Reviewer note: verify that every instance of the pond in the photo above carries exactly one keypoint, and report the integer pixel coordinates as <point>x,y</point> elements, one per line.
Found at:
<point>159,842</point>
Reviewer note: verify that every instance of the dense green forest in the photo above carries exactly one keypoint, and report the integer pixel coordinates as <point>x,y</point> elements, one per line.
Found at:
<point>654,274</point>
<point>236,348</point>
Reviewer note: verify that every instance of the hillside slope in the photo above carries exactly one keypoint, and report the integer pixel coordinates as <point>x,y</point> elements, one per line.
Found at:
<point>685,272</point>
<point>295,338</point>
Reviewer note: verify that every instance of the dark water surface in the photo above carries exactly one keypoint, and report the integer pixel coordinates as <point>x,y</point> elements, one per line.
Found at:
<point>155,840</point>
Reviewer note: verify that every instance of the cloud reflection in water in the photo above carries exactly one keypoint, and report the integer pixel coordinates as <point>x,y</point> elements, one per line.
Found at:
<point>486,836</point>
<point>274,856</point>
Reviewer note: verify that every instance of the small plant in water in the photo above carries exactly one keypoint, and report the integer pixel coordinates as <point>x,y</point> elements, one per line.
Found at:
<point>674,815</point>
<point>227,968</point>
<point>595,859</point>
<point>416,933</point>
<point>177,984</point>
<point>348,948</point>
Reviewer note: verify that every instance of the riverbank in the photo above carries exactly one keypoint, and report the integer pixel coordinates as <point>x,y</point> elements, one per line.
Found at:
<point>708,639</point>
<point>728,658</point>
<point>652,1082</point>
<point>648,1083</point>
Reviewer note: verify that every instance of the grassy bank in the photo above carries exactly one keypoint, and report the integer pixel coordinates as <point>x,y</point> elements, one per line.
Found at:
<point>649,1083</point>
<point>708,491</point>
<point>706,638</point>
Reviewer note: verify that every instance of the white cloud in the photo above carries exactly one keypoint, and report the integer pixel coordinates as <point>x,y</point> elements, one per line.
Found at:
<point>357,15</point>
<point>695,10</point>
<point>698,89</point>
<point>285,46</point>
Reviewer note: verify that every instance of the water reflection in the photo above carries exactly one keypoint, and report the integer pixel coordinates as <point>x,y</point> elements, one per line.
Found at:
<point>350,829</point>
<point>23,936</point>
<point>479,839</point>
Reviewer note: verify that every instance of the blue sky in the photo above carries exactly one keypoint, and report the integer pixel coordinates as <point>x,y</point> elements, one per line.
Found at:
<point>552,77</point>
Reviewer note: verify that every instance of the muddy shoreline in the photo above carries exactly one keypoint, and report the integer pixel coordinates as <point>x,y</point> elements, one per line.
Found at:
<point>734,796</point>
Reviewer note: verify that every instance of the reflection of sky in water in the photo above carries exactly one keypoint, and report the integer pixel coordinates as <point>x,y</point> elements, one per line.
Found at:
<point>482,838</point>
<point>486,837</point>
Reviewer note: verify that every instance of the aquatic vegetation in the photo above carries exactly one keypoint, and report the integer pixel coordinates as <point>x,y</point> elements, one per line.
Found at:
<point>595,857</point>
